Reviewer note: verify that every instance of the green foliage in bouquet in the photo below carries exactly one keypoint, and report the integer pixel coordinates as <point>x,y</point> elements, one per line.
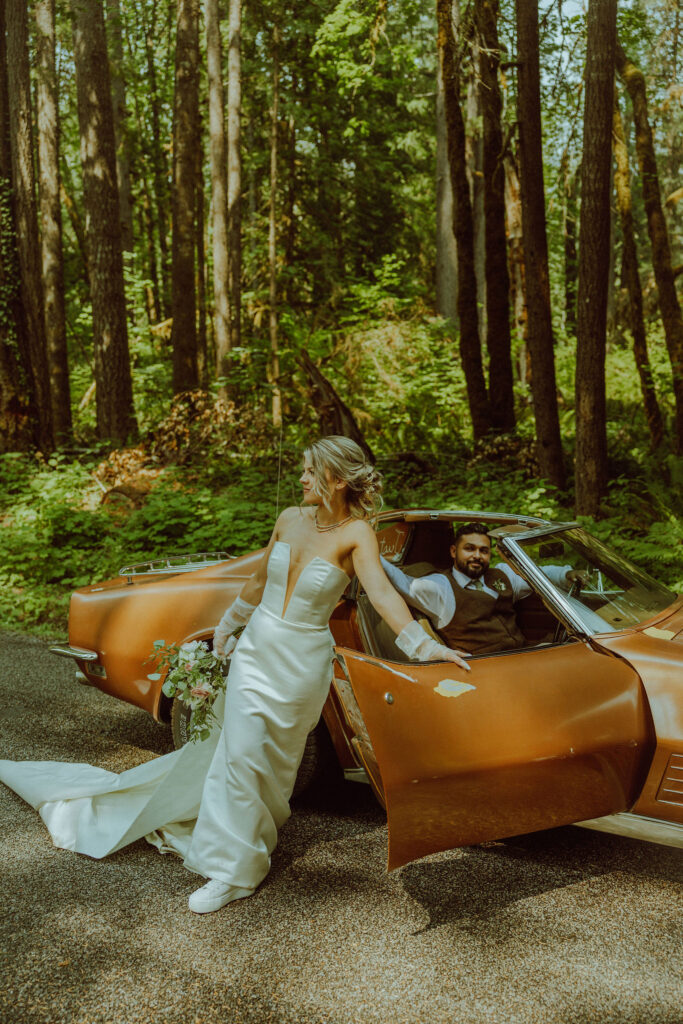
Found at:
<point>195,676</point>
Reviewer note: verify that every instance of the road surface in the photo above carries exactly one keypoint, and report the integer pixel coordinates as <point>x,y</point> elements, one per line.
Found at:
<point>562,927</point>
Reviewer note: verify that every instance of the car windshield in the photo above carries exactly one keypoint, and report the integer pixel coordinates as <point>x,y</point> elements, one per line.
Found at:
<point>606,591</point>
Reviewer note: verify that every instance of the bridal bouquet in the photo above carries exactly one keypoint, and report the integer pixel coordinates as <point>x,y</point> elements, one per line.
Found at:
<point>195,676</point>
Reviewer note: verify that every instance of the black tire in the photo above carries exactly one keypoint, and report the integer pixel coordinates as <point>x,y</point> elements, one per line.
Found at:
<point>180,722</point>
<point>316,758</point>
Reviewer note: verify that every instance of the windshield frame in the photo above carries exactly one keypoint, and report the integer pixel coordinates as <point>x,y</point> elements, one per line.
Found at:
<point>521,561</point>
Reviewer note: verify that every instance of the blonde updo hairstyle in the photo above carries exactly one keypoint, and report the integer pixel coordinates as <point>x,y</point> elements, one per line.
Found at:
<point>346,461</point>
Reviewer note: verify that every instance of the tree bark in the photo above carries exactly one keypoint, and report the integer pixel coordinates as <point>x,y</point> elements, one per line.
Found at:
<point>501,396</point>
<point>25,212</point>
<point>446,253</point>
<point>235,170</point>
<point>631,281</point>
<point>288,218</point>
<point>200,226</point>
<point>51,220</point>
<point>77,226</point>
<point>19,421</point>
<point>114,388</point>
<point>513,219</point>
<point>470,347</point>
<point>540,333</point>
<point>594,257</point>
<point>152,289</point>
<point>333,413</point>
<point>670,309</point>
<point>272,236</point>
<point>120,111</point>
<point>219,192</point>
<point>161,190</point>
<point>571,265</point>
<point>474,155</point>
<point>185,143</point>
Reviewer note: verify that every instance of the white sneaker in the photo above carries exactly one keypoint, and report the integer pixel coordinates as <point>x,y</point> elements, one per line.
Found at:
<point>214,895</point>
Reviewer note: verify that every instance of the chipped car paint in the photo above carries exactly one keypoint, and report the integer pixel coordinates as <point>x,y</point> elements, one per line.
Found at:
<point>452,688</point>
<point>659,634</point>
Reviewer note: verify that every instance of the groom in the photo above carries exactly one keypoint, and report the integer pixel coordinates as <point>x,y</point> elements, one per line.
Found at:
<point>472,605</point>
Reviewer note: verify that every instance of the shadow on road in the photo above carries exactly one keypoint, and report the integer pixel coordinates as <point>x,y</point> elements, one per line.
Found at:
<point>477,883</point>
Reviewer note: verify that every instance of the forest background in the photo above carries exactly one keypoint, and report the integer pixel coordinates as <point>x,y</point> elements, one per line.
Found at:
<point>453,233</point>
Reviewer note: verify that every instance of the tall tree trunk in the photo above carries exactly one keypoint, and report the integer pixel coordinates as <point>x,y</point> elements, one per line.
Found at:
<point>333,413</point>
<point>161,191</point>
<point>219,191</point>
<point>272,236</point>
<point>470,346</point>
<point>501,396</point>
<point>148,224</point>
<point>540,332</point>
<point>594,237</point>
<point>51,220</point>
<point>25,213</point>
<point>118,87</point>
<point>76,221</point>
<point>474,154</point>
<point>513,220</point>
<point>235,170</point>
<point>657,230</point>
<point>571,265</point>
<point>288,219</point>
<point>446,254</point>
<point>114,388</point>
<point>631,281</point>
<point>185,143</point>
<point>200,226</point>
<point>19,421</point>
<point>152,290</point>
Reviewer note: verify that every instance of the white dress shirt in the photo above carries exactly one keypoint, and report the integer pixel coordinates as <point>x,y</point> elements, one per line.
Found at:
<point>434,596</point>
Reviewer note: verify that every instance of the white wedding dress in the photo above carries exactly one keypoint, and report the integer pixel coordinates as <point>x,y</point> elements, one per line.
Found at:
<point>216,803</point>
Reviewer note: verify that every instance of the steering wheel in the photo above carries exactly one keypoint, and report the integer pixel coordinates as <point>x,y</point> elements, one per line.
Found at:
<point>560,634</point>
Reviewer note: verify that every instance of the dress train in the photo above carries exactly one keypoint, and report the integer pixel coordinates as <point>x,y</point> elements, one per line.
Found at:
<point>217,803</point>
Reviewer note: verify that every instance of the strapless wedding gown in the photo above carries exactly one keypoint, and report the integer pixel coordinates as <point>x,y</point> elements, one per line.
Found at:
<point>218,803</point>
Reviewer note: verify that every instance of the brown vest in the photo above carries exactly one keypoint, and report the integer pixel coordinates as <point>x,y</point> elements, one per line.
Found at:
<point>482,623</point>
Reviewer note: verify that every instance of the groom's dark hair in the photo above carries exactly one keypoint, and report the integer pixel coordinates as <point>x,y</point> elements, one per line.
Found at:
<point>468,528</point>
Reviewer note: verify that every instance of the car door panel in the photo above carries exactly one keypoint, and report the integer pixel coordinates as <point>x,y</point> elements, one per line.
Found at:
<point>544,737</point>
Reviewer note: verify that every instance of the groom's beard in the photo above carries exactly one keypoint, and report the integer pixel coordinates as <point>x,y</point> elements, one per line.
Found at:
<point>472,567</point>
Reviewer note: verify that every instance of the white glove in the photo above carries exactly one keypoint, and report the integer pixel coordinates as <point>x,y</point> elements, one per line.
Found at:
<point>236,616</point>
<point>416,642</point>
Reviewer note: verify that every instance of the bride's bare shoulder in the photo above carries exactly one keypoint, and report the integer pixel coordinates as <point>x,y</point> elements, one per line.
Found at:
<point>362,532</point>
<point>291,515</point>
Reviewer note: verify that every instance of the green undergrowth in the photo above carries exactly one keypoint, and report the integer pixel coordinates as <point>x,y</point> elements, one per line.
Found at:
<point>204,477</point>
<point>58,533</point>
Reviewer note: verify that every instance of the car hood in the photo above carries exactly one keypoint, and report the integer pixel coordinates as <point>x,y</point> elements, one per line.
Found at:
<point>668,626</point>
<point>655,652</point>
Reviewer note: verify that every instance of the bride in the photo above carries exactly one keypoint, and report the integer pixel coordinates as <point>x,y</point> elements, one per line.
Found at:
<point>219,803</point>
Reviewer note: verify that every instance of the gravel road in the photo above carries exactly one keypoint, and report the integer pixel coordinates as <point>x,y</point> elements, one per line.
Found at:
<point>564,926</point>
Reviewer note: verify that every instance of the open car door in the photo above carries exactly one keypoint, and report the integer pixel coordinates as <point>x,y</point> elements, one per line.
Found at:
<point>526,740</point>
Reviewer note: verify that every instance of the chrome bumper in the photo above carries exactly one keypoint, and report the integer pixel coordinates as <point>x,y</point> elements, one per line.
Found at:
<point>91,659</point>
<point>638,826</point>
<point>66,651</point>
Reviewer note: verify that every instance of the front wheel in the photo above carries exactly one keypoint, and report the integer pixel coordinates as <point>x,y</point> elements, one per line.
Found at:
<point>314,761</point>
<point>180,723</point>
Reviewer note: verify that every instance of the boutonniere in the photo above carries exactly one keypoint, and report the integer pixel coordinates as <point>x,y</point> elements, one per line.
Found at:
<point>499,585</point>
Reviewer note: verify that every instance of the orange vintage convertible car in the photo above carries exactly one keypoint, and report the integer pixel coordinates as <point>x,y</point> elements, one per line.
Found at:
<point>583,724</point>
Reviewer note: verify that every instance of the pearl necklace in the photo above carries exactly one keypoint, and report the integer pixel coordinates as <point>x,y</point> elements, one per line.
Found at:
<point>332,526</point>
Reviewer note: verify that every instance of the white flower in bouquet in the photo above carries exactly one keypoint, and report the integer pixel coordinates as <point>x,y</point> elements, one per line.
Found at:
<point>195,676</point>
